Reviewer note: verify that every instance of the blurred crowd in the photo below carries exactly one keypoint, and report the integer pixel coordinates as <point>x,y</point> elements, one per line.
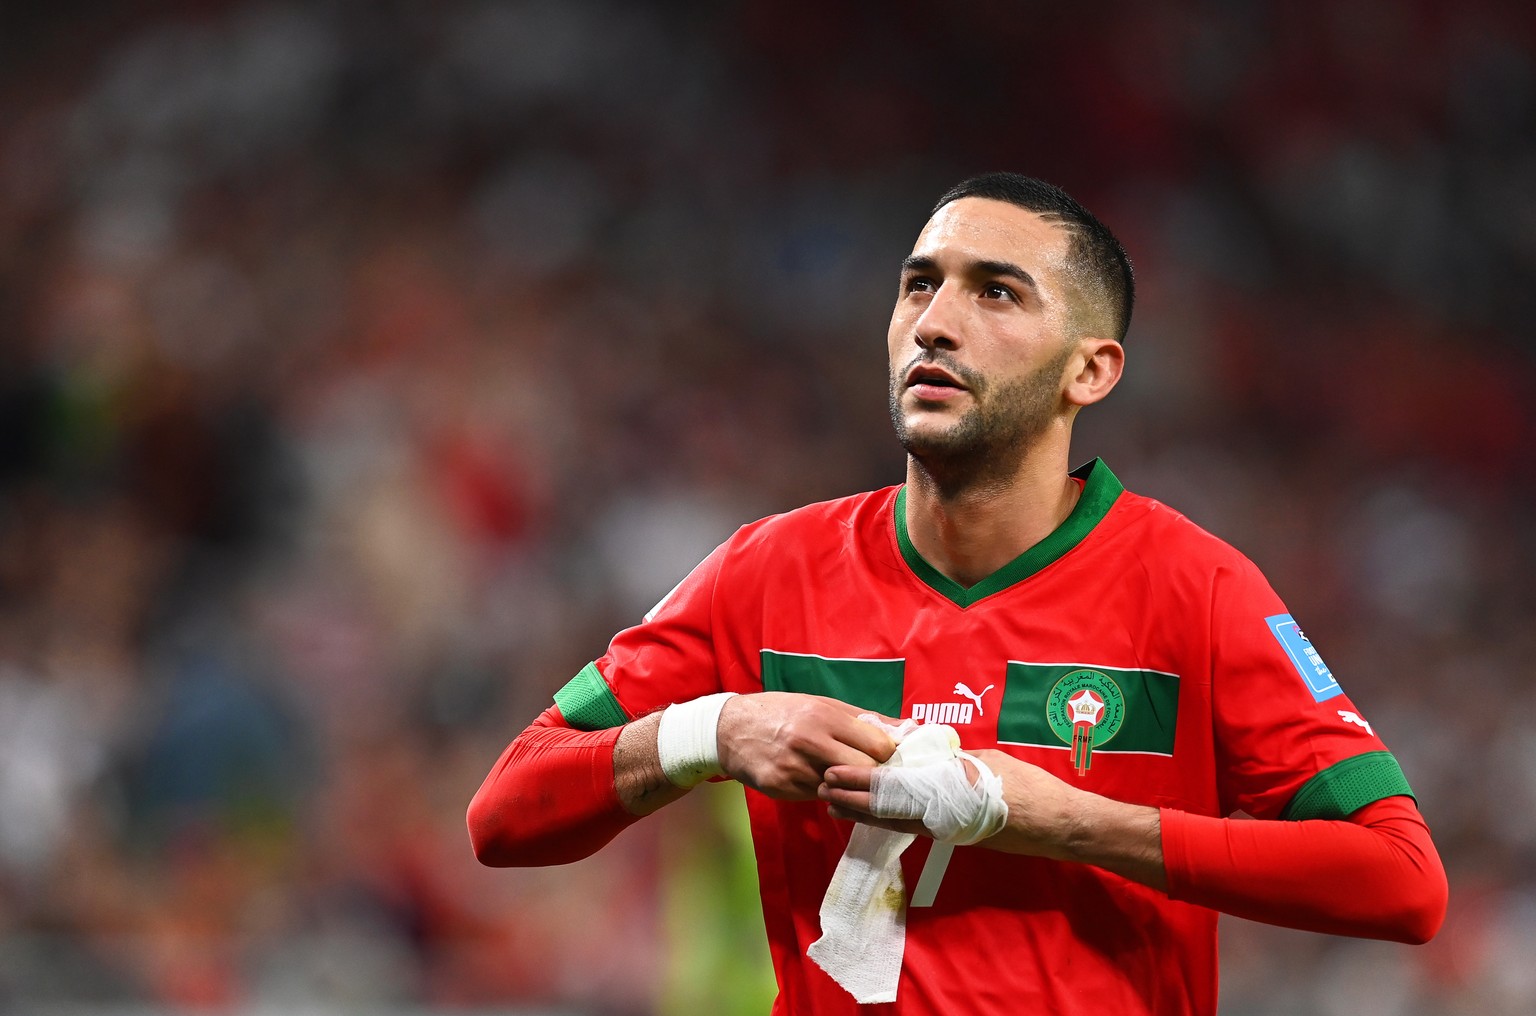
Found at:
<point>364,367</point>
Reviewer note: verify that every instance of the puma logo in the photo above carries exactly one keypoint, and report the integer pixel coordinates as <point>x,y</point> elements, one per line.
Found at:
<point>1352,717</point>
<point>963,689</point>
<point>952,712</point>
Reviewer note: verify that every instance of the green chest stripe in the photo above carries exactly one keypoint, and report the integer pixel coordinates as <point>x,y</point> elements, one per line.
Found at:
<point>869,684</point>
<point>1345,787</point>
<point>1120,711</point>
<point>1140,707</point>
<point>587,703</point>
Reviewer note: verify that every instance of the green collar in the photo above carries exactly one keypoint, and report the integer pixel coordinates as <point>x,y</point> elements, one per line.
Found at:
<point>1100,489</point>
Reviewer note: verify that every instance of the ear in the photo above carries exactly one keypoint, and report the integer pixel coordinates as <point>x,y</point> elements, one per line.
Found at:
<point>1099,364</point>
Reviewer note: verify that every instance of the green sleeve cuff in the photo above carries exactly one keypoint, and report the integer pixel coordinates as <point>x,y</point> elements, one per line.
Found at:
<point>587,703</point>
<point>1345,787</point>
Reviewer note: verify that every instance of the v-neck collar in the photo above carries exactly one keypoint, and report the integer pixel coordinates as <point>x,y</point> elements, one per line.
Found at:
<point>1100,489</point>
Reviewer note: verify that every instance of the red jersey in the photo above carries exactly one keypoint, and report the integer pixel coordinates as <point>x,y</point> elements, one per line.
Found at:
<point>1129,653</point>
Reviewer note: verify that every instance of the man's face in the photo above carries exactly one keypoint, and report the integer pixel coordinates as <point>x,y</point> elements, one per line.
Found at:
<point>979,336</point>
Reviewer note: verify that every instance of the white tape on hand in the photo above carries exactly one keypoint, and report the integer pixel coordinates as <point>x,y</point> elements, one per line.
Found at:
<point>688,739</point>
<point>951,807</point>
<point>864,914</point>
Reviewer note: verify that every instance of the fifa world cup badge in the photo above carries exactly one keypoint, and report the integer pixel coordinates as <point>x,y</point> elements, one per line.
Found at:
<point>1085,709</point>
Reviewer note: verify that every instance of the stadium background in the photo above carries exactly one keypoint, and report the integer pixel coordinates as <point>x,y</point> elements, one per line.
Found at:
<point>364,366</point>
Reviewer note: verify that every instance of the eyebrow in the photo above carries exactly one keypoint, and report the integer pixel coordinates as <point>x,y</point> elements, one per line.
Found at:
<point>923,263</point>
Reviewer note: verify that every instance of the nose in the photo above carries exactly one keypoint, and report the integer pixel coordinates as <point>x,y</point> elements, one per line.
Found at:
<point>939,325</point>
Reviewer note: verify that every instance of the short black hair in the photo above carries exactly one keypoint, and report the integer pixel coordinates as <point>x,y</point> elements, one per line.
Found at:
<point>1095,255</point>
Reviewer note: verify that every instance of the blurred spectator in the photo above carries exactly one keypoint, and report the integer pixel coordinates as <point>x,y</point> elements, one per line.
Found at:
<point>362,368</point>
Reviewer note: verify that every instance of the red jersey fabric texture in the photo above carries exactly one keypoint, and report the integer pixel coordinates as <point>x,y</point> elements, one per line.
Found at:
<point>1130,653</point>
<point>550,799</point>
<point>1376,872</point>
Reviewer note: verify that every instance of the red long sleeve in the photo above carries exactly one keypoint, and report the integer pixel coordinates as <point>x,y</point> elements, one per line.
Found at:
<point>550,798</point>
<point>1375,875</point>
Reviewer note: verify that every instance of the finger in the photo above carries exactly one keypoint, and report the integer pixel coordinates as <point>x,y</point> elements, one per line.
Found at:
<point>856,711</point>
<point>836,753</point>
<point>849,777</point>
<point>853,801</point>
<point>867,739</point>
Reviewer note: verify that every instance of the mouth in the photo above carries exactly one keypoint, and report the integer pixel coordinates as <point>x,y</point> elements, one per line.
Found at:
<point>931,383</point>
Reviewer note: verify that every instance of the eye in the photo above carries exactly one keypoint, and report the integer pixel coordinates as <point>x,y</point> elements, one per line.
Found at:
<point>919,284</point>
<point>997,291</point>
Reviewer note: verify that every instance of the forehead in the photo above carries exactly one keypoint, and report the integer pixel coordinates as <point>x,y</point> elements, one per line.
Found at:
<point>982,229</point>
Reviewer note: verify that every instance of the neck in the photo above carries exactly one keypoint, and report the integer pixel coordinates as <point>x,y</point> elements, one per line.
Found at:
<point>970,530</point>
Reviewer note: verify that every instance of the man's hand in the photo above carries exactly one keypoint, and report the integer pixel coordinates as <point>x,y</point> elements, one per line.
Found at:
<point>1047,817</point>
<point>781,743</point>
<point>1038,803</point>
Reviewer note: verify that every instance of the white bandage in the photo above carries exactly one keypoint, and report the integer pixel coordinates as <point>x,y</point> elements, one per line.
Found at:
<point>952,809</point>
<point>688,740</point>
<point>864,914</point>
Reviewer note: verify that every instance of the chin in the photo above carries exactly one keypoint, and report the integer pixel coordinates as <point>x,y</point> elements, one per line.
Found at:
<point>922,441</point>
<point>929,430</point>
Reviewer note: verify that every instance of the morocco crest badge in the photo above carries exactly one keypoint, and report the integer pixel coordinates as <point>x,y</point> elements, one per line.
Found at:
<point>1085,709</point>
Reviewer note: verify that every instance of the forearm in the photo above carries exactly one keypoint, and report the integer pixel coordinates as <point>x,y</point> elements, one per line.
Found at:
<point>558,794</point>
<point>1049,818</point>
<point>1376,875</point>
<point>1123,838</point>
<point>639,780</point>
<point>1074,825</point>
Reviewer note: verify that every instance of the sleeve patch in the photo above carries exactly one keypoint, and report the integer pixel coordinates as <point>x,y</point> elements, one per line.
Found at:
<point>587,703</point>
<point>1314,672</point>
<point>1345,787</point>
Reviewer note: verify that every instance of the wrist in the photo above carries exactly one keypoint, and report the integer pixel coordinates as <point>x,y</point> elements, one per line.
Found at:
<point>688,739</point>
<point>637,777</point>
<point>1123,838</point>
<point>1079,823</point>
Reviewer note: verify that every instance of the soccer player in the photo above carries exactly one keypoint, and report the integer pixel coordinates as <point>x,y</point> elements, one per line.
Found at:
<point>1122,682</point>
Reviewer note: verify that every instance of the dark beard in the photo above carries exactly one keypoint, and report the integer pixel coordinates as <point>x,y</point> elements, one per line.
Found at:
<point>986,445</point>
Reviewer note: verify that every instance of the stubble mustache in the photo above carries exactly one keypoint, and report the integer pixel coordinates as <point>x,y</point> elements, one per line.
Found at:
<point>972,380</point>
